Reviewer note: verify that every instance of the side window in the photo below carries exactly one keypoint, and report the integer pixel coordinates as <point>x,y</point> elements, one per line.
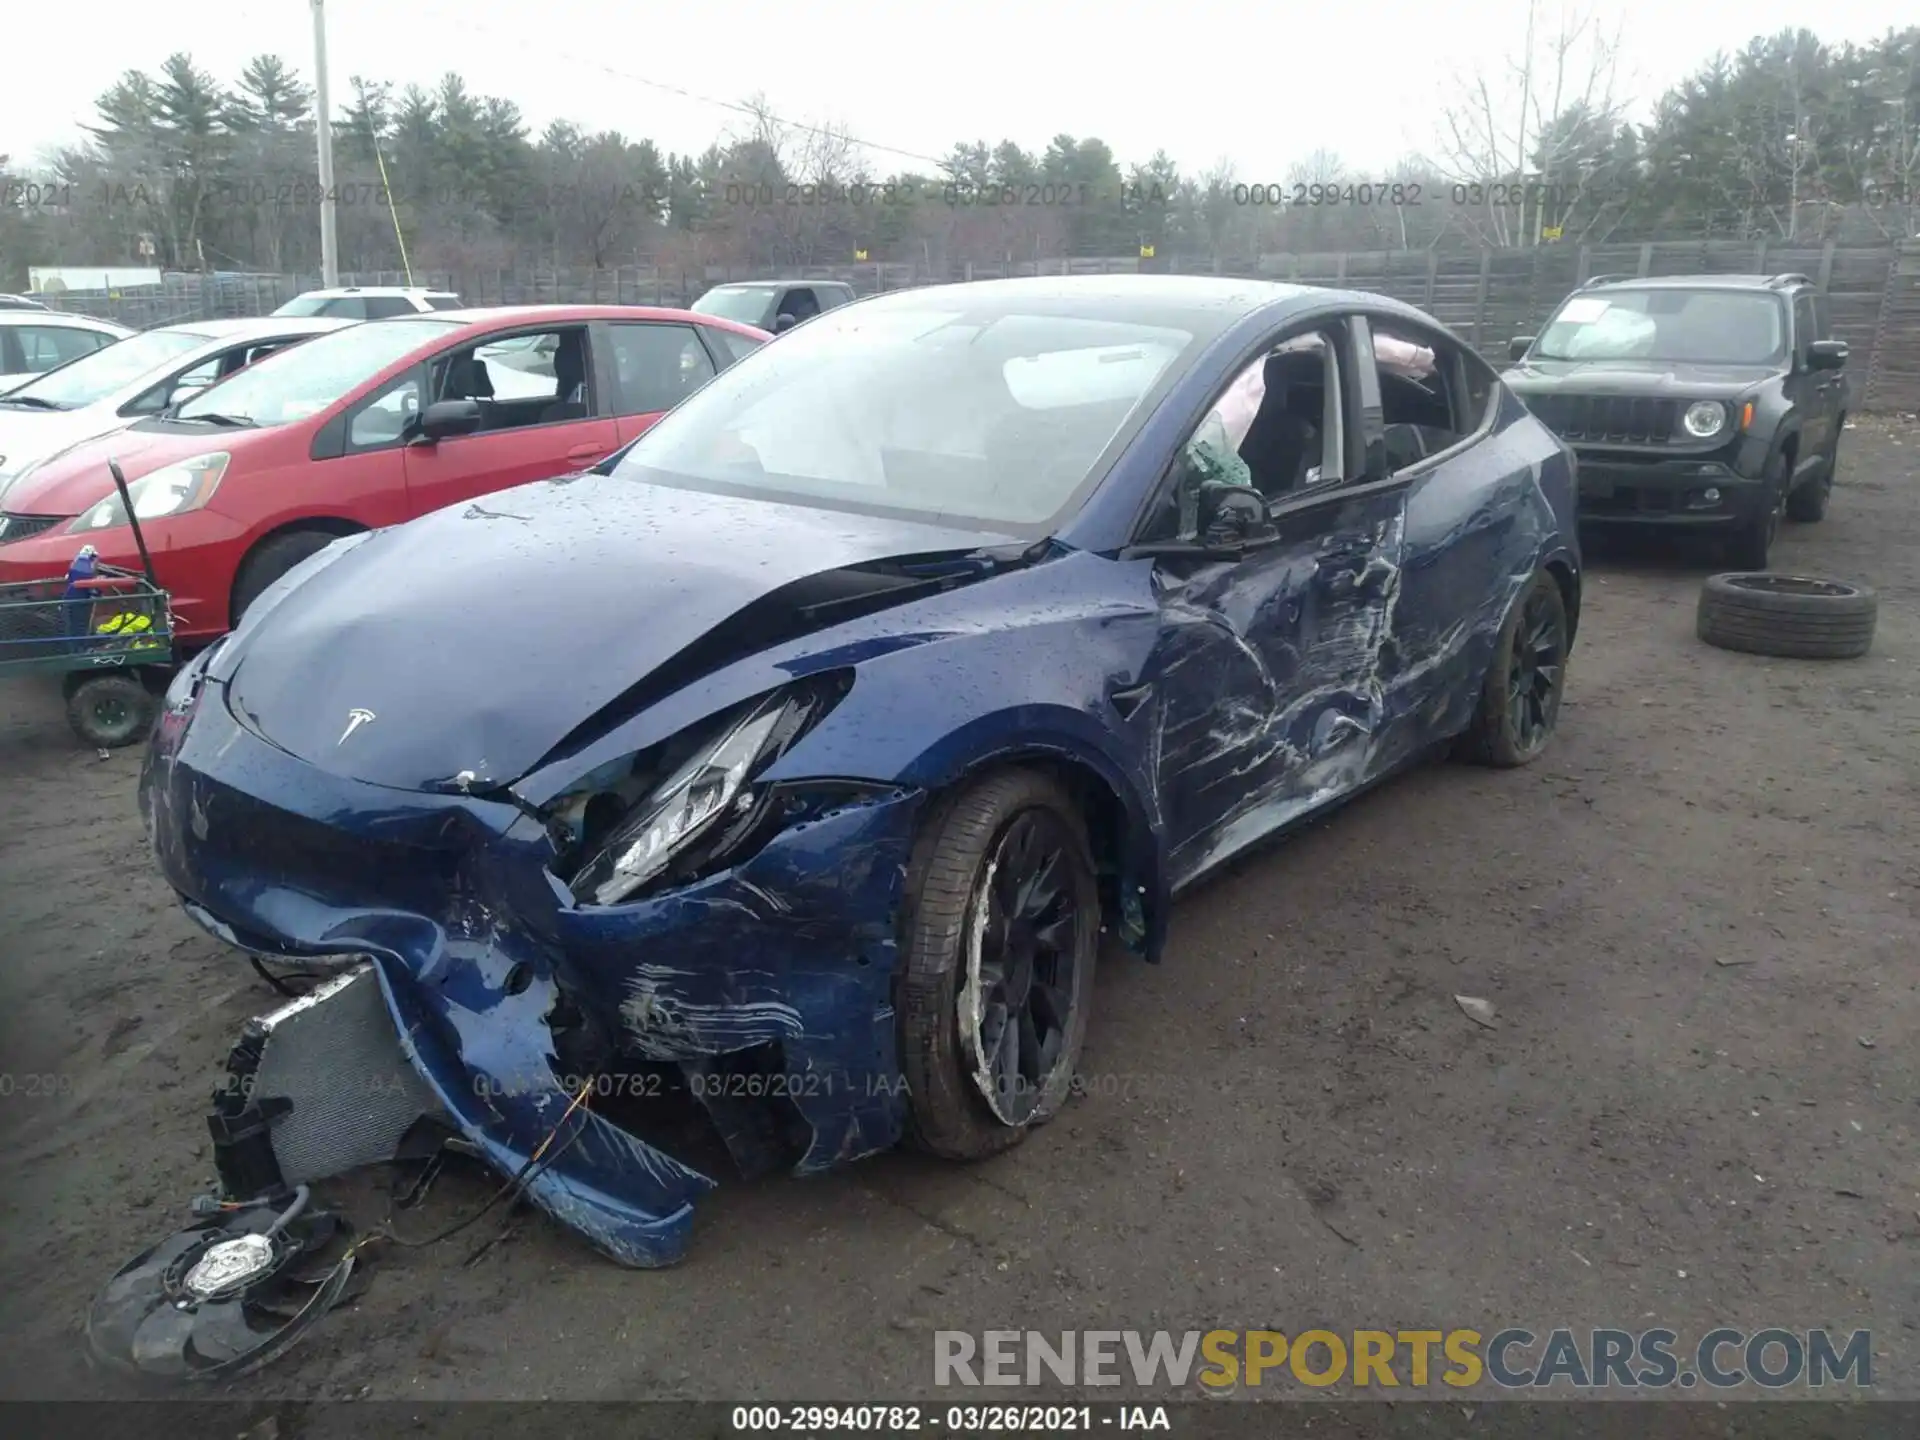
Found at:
<point>540,378</point>
<point>346,307</point>
<point>176,388</point>
<point>243,358</point>
<point>379,307</point>
<point>45,347</point>
<point>799,302</point>
<point>1822,317</point>
<point>1424,403</point>
<point>1278,428</point>
<point>733,348</point>
<point>1805,329</point>
<point>382,419</point>
<point>445,302</point>
<point>658,365</point>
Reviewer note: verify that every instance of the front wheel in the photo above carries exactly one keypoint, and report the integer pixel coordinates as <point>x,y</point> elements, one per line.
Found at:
<point>1750,545</point>
<point>1808,504</point>
<point>1520,698</point>
<point>999,940</point>
<point>272,559</point>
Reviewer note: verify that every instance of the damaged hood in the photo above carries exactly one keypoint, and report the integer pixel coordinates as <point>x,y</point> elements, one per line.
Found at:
<point>476,638</point>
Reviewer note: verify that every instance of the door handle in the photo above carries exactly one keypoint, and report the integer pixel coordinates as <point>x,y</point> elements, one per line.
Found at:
<point>589,452</point>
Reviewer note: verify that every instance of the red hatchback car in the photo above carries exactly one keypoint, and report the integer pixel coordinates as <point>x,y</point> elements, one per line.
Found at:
<point>360,428</point>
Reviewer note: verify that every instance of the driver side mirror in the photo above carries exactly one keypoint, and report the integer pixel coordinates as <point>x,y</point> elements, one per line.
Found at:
<point>445,419</point>
<point>1827,355</point>
<point>1233,515</point>
<point>783,323</point>
<point>1518,346</point>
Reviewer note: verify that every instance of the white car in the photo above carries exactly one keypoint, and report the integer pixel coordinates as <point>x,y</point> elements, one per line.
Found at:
<point>370,302</point>
<point>33,342</point>
<point>131,380</point>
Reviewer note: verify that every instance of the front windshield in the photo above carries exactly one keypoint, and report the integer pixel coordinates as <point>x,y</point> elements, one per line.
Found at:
<point>933,411</point>
<point>305,379</point>
<point>744,304</point>
<point>1702,327</point>
<point>108,370</point>
<point>305,305</point>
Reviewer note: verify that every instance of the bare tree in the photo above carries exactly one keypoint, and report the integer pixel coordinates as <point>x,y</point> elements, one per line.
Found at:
<point>1530,134</point>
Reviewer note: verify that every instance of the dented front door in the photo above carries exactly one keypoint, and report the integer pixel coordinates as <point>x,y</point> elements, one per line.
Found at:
<point>1267,673</point>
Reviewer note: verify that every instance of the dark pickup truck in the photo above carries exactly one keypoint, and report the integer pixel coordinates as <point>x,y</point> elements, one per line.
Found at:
<point>776,305</point>
<point>1701,402</point>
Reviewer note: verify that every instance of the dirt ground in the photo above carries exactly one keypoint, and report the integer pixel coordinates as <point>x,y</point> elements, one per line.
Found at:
<point>1698,917</point>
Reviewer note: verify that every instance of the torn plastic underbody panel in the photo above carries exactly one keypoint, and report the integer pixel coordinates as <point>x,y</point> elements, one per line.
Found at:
<point>762,992</point>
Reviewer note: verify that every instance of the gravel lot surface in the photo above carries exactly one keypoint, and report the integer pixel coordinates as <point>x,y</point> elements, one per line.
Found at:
<point>1697,918</point>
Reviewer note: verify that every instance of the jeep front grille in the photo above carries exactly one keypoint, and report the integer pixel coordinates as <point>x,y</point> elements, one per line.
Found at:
<point>1608,419</point>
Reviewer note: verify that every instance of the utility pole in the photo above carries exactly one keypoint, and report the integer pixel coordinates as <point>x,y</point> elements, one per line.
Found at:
<point>323,131</point>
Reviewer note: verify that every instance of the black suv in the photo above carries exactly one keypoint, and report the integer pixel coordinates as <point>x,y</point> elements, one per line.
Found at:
<point>1710,402</point>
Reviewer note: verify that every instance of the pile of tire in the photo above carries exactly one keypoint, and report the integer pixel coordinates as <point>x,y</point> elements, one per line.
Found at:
<point>1796,617</point>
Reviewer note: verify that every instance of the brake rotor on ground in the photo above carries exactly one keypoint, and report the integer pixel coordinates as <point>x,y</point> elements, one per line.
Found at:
<point>222,1296</point>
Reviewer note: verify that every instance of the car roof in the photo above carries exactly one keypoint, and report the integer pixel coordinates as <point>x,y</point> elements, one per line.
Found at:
<point>1205,305</point>
<point>10,316</point>
<point>774,284</point>
<point>245,326</point>
<point>339,290</point>
<point>494,315</point>
<point>1773,283</point>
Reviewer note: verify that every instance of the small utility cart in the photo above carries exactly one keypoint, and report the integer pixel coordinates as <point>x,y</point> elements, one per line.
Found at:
<point>109,631</point>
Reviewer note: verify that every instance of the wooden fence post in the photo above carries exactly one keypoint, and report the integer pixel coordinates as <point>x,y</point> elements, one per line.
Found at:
<point>1480,299</point>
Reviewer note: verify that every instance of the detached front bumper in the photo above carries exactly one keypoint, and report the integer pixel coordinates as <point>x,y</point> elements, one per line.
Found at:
<point>1681,491</point>
<point>491,972</point>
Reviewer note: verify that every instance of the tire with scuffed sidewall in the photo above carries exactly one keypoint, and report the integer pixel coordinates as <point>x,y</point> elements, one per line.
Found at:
<point>947,1116</point>
<point>1785,625</point>
<point>1488,740</point>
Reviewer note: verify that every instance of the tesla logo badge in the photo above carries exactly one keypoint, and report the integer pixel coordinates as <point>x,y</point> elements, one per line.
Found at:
<point>355,719</point>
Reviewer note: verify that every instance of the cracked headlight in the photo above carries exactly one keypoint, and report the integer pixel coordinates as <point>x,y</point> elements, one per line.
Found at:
<point>686,813</point>
<point>1705,419</point>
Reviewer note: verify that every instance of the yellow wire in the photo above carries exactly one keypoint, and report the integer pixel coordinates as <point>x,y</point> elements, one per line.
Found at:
<point>402,239</point>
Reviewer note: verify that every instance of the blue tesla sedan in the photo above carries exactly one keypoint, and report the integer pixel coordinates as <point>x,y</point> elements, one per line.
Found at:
<point>796,761</point>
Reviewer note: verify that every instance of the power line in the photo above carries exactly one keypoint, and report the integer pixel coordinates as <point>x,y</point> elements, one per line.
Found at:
<point>467,22</point>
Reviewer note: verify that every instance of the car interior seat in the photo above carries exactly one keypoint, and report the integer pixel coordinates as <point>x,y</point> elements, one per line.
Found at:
<point>1284,441</point>
<point>570,381</point>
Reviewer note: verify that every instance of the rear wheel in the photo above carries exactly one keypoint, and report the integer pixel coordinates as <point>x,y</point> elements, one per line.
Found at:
<point>1001,933</point>
<point>111,710</point>
<point>270,560</point>
<point>1520,699</point>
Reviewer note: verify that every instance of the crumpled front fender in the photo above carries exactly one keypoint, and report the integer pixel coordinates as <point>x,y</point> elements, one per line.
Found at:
<point>477,946</point>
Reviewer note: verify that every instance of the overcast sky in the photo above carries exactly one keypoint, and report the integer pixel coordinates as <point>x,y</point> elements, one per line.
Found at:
<point>1260,84</point>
